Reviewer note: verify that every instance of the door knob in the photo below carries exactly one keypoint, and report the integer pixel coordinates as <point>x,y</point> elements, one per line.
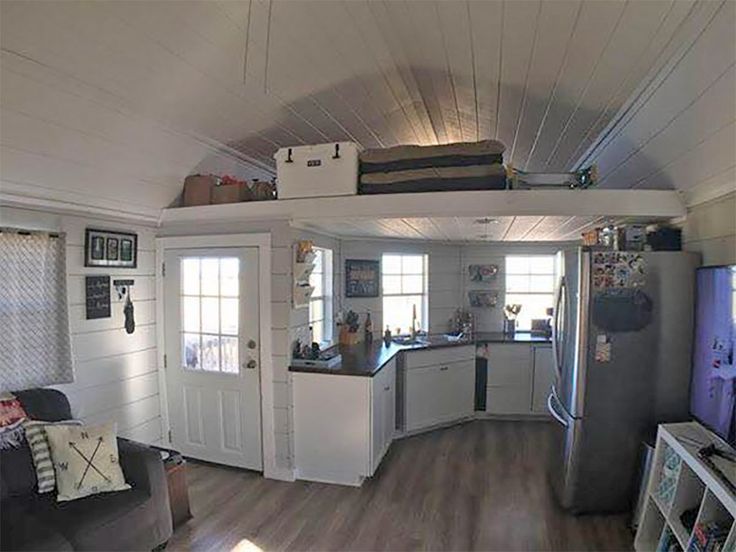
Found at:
<point>252,344</point>
<point>251,364</point>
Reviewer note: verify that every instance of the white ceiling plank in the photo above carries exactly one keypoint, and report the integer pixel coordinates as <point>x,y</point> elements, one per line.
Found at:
<point>520,26</point>
<point>557,23</point>
<point>663,38</point>
<point>627,44</point>
<point>486,23</point>
<point>597,22</point>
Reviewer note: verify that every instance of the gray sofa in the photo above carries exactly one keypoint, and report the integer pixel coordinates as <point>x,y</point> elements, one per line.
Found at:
<point>138,519</point>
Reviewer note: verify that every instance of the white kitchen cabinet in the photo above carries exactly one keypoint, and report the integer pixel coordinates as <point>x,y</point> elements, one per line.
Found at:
<point>343,424</point>
<point>440,392</point>
<point>544,376</point>
<point>509,388</point>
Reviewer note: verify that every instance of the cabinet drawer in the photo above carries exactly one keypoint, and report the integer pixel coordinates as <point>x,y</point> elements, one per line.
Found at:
<point>508,400</point>
<point>443,355</point>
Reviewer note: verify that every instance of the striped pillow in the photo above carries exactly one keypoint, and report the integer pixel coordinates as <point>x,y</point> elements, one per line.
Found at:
<point>40,452</point>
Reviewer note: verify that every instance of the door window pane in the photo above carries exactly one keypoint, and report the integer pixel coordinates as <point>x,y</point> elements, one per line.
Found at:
<point>210,315</point>
<point>190,314</point>
<point>190,276</point>
<point>229,316</point>
<point>210,353</point>
<point>210,276</point>
<point>190,354</point>
<point>229,274</point>
<point>229,352</point>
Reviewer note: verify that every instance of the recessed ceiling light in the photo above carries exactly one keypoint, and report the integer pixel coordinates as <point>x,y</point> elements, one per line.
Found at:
<point>485,220</point>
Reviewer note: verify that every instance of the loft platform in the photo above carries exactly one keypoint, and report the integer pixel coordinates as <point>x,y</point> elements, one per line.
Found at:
<point>631,204</point>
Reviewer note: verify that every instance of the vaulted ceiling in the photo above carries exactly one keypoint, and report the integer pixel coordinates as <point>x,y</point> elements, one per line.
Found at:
<point>111,104</point>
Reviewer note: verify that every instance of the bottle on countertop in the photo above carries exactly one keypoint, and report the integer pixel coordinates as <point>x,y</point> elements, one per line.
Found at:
<point>368,329</point>
<point>387,336</point>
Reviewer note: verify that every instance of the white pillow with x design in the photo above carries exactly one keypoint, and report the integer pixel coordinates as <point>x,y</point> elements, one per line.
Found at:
<point>86,460</point>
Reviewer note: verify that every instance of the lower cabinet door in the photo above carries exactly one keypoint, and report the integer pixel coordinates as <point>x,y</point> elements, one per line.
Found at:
<point>458,390</point>
<point>424,397</point>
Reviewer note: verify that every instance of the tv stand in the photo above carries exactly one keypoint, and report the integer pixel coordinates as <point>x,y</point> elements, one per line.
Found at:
<point>682,482</point>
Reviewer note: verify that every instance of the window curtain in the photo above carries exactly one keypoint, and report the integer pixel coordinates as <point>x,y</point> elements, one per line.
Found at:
<point>35,347</point>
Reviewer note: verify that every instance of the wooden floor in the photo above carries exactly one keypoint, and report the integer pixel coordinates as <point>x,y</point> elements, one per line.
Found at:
<point>477,486</point>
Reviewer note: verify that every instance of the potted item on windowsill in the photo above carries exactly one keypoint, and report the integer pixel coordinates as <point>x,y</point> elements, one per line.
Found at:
<point>509,324</point>
<point>349,329</point>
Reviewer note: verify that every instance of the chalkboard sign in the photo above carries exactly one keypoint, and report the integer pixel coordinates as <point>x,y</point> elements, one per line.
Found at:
<point>97,296</point>
<point>362,278</point>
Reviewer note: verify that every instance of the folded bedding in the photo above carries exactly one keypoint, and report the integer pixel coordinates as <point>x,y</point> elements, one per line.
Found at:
<point>435,179</point>
<point>401,158</point>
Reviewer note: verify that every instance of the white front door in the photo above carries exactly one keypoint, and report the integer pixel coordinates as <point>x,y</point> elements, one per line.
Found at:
<point>212,354</point>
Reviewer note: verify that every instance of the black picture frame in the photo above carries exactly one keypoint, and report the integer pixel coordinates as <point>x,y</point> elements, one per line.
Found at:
<point>110,248</point>
<point>362,278</point>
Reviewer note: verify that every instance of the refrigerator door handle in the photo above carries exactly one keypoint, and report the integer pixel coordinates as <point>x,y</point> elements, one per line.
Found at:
<point>561,291</point>
<point>552,410</point>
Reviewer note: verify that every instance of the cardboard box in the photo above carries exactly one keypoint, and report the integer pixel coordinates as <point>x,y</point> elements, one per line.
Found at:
<point>197,189</point>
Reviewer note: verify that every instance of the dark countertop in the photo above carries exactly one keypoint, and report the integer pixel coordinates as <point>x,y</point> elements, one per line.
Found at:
<point>367,360</point>
<point>518,337</point>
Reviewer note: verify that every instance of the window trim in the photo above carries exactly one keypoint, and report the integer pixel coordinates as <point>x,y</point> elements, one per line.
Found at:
<point>327,297</point>
<point>424,321</point>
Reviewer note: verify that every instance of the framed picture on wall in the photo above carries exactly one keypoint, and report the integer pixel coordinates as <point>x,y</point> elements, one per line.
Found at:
<point>362,278</point>
<point>110,248</point>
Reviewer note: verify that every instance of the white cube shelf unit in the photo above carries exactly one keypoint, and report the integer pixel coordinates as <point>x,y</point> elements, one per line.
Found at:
<point>681,482</point>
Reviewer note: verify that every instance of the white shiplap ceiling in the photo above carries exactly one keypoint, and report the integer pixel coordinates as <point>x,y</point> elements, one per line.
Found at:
<point>111,104</point>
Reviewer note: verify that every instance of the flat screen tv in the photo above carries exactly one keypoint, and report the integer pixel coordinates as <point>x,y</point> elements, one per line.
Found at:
<point>713,385</point>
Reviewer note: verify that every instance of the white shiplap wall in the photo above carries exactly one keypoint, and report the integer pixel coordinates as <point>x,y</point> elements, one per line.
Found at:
<point>710,229</point>
<point>115,373</point>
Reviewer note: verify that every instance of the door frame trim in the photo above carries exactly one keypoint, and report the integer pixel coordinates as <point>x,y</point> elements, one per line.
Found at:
<point>263,242</point>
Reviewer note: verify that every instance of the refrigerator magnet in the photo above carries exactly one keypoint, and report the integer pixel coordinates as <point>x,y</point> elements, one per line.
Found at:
<point>602,349</point>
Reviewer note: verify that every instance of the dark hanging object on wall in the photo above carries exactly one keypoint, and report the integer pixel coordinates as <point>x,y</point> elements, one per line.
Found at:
<point>128,311</point>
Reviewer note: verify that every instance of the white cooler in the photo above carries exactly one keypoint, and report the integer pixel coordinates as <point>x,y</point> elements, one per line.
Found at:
<point>317,171</point>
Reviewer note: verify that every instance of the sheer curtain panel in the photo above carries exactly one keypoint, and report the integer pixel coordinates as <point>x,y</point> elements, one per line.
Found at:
<point>35,348</point>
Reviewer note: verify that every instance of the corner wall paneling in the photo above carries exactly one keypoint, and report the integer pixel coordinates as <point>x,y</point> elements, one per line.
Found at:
<point>710,229</point>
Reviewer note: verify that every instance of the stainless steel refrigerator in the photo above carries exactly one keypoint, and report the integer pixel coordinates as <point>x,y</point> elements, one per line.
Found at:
<point>622,334</point>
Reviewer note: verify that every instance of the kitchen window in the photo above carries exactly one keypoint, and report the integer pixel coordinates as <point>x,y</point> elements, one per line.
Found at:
<point>320,303</point>
<point>530,282</point>
<point>404,287</point>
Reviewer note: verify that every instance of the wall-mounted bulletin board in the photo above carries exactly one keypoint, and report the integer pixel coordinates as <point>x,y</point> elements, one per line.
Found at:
<point>362,278</point>
<point>97,296</point>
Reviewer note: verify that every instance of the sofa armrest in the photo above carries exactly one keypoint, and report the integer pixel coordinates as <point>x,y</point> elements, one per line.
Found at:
<point>142,466</point>
<point>144,470</point>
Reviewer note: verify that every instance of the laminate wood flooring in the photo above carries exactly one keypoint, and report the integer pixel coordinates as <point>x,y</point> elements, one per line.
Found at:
<point>476,486</point>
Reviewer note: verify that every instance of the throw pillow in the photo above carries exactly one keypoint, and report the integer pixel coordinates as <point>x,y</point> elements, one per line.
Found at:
<point>40,453</point>
<point>12,415</point>
<point>85,460</point>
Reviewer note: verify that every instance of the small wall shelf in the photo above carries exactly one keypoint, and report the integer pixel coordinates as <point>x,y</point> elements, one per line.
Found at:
<point>302,266</point>
<point>681,483</point>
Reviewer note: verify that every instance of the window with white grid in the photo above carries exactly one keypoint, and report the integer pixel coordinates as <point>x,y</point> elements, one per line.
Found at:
<point>404,286</point>
<point>530,282</point>
<point>320,303</point>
